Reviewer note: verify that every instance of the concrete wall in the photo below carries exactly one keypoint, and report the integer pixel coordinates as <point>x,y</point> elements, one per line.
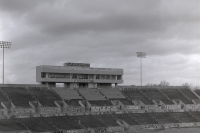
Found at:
<point>94,71</point>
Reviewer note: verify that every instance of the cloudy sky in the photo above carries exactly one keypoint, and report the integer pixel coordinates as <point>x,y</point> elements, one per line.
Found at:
<point>104,33</point>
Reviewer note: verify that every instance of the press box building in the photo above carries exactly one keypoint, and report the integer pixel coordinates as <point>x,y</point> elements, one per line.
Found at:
<point>78,75</point>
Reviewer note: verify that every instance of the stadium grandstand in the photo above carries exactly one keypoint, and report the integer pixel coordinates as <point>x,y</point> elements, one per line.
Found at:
<point>46,97</point>
<point>175,94</point>
<point>19,96</point>
<point>94,105</point>
<point>156,95</point>
<point>135,95</point>
<point>71,102</point>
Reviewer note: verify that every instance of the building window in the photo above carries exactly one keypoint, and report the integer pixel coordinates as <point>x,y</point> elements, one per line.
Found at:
<point>67,76</point>
<point>82,76</point>
<point>103,77</point>
<point>90,76</point>
<point>107,76</point>
<point>113,77</point>
<point>97,76</point>
<point>119,77</point>
<point>58,75</point>
<point>74,76</point>
<point>43,75</point>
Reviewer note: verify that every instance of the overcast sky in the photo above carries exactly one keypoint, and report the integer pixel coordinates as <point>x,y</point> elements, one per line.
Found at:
<point>104,33</point>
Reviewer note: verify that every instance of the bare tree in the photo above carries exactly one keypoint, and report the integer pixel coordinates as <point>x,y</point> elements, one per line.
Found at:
<point>164,83</point>
<point>187,84</point>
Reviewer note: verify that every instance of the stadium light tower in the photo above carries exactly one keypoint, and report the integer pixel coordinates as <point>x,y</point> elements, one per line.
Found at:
<point>141,55</point>
<point>4,44</point>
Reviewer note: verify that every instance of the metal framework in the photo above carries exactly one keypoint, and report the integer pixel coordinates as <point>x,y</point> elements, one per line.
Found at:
<point>3,45</point>
<point>141,55</point>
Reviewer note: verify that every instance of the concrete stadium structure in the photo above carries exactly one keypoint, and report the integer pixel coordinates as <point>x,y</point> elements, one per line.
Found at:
<point>98,108</point>
<point>78,75</point>
<point>42,109</point>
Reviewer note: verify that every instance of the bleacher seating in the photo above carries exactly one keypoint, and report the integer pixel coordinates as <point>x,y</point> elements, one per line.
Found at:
<point>18,95</point>
<point>164,117</point>
<point>175,94</point>
<point>100,103</point>
<point>67,93</point>
<point>188,93</point>
<point>66,123</point>
<point>2,97</point>
<point>126,118</point>
<point>38,124</point>
<point>143,118</point>
<point>1,107</point>
<point>136,95</point>
<point>196,114</point>
<point>60,123</point>
<point>154,94</point>
<point>92,94</point>
<point>197,91</point>
<point>125,101</point>
<point>73,102</point>
<point>11,125</point>
<point>112,94</point>
<point>107,119</point>
<point>88,121</point>
<point>183,117</point>
<point>46,97</point>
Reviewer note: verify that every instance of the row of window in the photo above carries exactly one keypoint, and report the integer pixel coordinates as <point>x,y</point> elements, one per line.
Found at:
<point>81,76</point>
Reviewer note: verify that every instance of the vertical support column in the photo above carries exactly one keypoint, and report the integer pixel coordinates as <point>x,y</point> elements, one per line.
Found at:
<point>3,64</point>
<point>141,71</point>
<point>115,85</point>
<point>46,75</point>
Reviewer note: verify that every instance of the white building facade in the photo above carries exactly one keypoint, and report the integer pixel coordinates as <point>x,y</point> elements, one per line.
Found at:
<point>78,75</point>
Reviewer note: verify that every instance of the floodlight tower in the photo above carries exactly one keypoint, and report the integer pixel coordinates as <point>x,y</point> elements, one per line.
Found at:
<point>141,55</point>
<point>4,44</point>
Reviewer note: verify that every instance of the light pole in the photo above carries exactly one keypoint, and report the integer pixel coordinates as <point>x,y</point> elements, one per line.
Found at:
<point>141,55</point>
<point>4,44</point>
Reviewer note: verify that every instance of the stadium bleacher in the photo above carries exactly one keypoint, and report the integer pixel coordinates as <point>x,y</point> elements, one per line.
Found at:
<point>91,94</point>
<point>112,94</point>
<point>183,116</point>
<point>66,94</point>
<point>197,91</point>
<point>154,94</point>
<point>143,118</point>
<point>68,123</point>
<point>73,102</point>
<point>2,97</point>
<point>195,114</point>
<point>46,97</point>
<point>38,124</point>
<point>136,95</point>
<point>125,101</point>
<point>88,121</point>
<point>107,119</point>
<point>18,95</point>
<point>164,117</point>
<point>65,123</point>
<point>173,93</point>
<point>126,118</point>
<point>11,125</point>
<point>100,103</point>
<point>188,93</point>
<point>73,117</point>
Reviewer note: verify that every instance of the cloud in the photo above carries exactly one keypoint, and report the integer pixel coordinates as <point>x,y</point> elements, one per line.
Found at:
<point>105,34</point>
